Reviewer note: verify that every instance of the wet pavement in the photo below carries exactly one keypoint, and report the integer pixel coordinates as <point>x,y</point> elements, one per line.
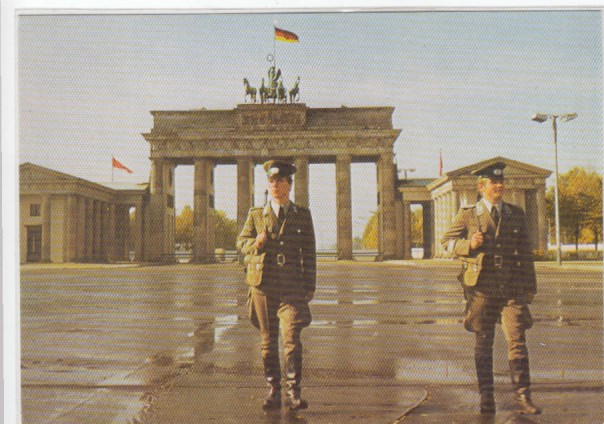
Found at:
<point>172,344</point>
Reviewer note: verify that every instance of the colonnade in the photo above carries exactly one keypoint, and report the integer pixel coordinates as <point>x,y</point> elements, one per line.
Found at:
<point>161,220</point>
<point>92,230</point>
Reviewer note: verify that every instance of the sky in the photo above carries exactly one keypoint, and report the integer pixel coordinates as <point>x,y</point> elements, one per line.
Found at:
<point>462,82</point>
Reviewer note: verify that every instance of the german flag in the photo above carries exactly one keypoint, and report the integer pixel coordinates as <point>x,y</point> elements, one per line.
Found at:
<point>283,35</point>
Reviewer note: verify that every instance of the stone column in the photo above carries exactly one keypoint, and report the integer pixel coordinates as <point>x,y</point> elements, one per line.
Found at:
<point>438,225</point>
<point>111,224</point>
<point>387,178</point>
<point>211,231</point>
<point>81,238</point>
<point>45,211</point>
<point>158,219</point>
<point>156,178</point>
<point>406,230</point>
<point>454,206</point>
<point>245,189</point>
<point>119,233</point>
<point>71,228</point>
<point>201,210</point>
<point>89,223</point>
<point>542,224</point>
<point>301,182</point>
<point>343,207</point>
<point>399,215</point>
<point>139,235</point>
<point>98,231</point>
<point>428,218</point>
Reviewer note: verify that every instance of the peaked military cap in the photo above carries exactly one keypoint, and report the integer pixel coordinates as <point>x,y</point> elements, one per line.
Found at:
<point>492,171</point>
<point>279,167</point>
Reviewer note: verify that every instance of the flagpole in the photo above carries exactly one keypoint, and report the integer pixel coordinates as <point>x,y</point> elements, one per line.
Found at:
<point>274,49</point>
<point>112,168</point>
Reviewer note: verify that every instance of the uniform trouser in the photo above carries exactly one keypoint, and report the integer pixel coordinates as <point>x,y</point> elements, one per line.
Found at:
<point>481,318</point>
<point>268,312</point>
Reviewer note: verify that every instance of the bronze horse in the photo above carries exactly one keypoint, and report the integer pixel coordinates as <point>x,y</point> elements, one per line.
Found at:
<point>249,91</point>
<point>294,93</point>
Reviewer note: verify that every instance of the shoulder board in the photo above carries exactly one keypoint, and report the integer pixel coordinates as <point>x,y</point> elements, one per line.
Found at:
<point>468,206</point>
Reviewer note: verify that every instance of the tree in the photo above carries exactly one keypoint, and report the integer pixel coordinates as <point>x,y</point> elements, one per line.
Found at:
<point>370,235</point>
<point>224,227</point>
<point>580,203</point>
<point>417,227</point>
<point>184,227</point>
<point>226,231</point>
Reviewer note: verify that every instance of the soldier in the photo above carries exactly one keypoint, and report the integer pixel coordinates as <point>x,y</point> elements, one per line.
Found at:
<point>278,242</point>
<point>499,282</point>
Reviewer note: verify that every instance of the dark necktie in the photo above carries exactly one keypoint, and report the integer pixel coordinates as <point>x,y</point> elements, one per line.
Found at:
<point>495,214</point>
<point>281,216</point>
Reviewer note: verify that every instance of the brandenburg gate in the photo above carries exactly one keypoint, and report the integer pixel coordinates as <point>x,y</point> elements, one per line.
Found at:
<point>249,135</point>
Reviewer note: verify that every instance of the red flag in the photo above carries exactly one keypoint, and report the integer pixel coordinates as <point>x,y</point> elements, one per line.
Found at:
<point>283,35</point>
<point>117,164</point>
<point>440,164</point>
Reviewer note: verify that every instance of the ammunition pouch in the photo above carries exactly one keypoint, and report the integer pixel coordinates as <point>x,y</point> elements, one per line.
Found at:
<point>470,270</point>
<point>254,266</point>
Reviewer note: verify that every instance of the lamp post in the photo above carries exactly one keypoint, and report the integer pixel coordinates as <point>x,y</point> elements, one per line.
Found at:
<point>542,117</point>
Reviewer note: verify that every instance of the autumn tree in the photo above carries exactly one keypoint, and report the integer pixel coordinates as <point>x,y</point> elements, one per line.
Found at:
<point>184,227</point>
<point>224,227</point>
<point>580,206</point>
<point>370,235</point>
<point>417,227</point>
<point>226,231</point>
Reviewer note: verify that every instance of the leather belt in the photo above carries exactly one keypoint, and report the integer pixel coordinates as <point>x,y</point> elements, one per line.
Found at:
<point>497,260</point>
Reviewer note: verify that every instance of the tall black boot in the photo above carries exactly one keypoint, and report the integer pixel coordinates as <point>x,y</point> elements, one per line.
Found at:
<point>272,374</point>
<point>483,358</point>
<point>521,382</point>
<point>294,382</point>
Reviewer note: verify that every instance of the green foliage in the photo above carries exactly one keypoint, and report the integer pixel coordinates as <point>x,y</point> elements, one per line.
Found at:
<point>580,202</point>
<point>226,231</point>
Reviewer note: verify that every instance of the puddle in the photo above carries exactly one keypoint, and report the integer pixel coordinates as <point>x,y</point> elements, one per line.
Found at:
<point>432,370</point>
<point>224,323</point>
<point>324,302</point>
<point>371,322</point>
<point>373,301</point>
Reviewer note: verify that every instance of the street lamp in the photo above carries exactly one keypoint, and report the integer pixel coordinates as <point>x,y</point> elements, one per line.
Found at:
<point>542,117</point>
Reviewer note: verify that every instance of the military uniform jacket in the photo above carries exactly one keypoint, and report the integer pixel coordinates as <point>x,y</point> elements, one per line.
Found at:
<point>287,261</point>
<point>507,267</point>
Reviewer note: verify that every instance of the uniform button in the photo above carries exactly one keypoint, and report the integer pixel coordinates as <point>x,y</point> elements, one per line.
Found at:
<point>498,245</point>
<point>518,264</point>
<point>281,243</point>
<point>515,230</point>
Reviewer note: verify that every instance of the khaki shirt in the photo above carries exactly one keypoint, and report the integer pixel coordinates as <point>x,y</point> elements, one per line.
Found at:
<point>287,262</point>
<point>508,268</point>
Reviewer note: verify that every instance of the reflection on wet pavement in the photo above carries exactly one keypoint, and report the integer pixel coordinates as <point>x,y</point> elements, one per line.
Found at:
<point>103,342</point>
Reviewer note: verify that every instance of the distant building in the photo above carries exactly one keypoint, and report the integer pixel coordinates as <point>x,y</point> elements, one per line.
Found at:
<point>441,198</point>
<point>63,218</point>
